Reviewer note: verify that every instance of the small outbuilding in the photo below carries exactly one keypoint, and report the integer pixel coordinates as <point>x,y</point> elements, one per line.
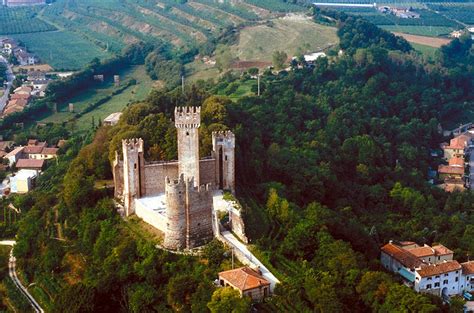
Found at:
<point>247,281</point>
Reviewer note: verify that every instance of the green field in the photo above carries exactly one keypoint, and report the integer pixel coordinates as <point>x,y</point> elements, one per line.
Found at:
<point>62,49</point>
<point>425,50</point>
<point>21,20</point>
<point>432,31</point>
<point>292,35</point>
<point>117,103</point>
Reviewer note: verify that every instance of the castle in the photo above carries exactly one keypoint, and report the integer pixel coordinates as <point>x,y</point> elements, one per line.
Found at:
<point>176,197</point>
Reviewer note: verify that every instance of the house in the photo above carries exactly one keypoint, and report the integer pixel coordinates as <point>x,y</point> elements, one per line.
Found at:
<point>112,119</point>
<point>25,58</point>
<point>456,146</point>
<point>247,281</point>
<point>23,181</point>
<point>30,164</point>
<point>448,171</point>
<point>39,150</point>
<point>428,269</point>
<point>7,45</point>
<point>36,75</point>
<point>456,34</point>
<point>14,155</point>
<point>23,90</point>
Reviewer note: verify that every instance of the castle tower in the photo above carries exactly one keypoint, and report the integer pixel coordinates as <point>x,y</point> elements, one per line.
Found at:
<point>223,150</point>
<point>175,236</point>
<point>133,164</point>
<point>187,122</point>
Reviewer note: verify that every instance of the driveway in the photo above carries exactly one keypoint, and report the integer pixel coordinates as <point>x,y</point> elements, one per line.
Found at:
<point>16,281</point>
<point>10,78</point>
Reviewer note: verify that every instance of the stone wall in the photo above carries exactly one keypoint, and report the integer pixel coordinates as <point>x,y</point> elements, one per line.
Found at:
<point>154,219</point>
<point>155,175</point>
<point>207,172</point>
<point>199,216</point>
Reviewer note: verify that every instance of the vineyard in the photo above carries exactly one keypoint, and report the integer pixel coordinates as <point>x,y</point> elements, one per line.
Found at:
<point>21,20</point>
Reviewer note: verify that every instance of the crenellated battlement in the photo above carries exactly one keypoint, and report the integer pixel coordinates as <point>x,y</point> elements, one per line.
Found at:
<point>187,117</point>
<point>188,184</point>
<point>223,138</point>
<point>132,144</point>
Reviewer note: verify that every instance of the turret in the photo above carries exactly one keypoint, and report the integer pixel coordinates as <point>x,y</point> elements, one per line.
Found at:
<point>223,150</point>
<point>133,164</point>
<point>175,236</point>
<point>187,122</point>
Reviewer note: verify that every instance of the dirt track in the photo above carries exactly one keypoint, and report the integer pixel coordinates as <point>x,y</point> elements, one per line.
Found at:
<point>424,40</point>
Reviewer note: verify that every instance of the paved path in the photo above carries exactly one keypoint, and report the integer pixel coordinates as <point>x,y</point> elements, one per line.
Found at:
<point>230,238</point>
<point>16,281</point>
<point>10,78</point>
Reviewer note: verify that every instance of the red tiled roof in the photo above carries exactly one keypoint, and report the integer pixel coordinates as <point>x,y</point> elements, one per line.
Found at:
<point>244,278</point>
<point>17,96</point>
<point>16,151</point>
<point>33,149</point>
<point>468,267</point>
<point>30,163</point>
<point>450,170</point>
<point>442,250</point>
<point>436,269</point>
<point>420,252</point>
<point>456,161</point>
<point>50,151</point>
<point>401,255</point>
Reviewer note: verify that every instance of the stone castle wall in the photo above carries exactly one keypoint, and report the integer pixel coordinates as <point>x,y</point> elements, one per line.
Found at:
<point>155,174</point>
<point>199,216</point>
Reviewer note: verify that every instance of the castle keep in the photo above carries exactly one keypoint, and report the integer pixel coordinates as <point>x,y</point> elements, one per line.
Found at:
<point>177,197</point>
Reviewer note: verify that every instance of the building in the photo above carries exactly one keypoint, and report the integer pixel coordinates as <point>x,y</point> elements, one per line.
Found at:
<point>36,75</point>
<point>457,146</point>
<point>15,3</point>
<point>14,156</point>
<point>23,181</point>
<point>112,119</point>
<point>247,281</point>
<point>30,164</point>
<point>176,197</point>
<point>7,45</point>
<point>428,269</point>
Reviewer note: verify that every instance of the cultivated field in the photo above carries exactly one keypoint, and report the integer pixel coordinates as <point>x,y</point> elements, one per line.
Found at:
<point>430,31</point>
<point>117,103</point>
<point>292,35</point>
<point>62,49</point>
<point>423,40</point>
<point>21,20</point>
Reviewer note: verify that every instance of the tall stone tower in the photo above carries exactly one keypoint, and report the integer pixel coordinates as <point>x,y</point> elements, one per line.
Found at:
<point>189,214</point>
<point>187,122</point>
<point>223,150</point>
<point>133,165</point>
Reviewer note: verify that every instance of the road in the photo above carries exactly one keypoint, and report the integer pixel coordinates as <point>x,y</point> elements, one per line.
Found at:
<point>16,281</point>
<point>251,258</point>
<point>10,78</point>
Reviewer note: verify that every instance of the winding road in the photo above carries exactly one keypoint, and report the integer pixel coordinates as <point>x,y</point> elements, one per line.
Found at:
<point>10,78</point>
<point>16,281</point>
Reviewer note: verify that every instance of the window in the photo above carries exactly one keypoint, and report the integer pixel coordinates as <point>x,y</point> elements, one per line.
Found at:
<point>436,285</point>
<point>428,286</point>
<point>445,282</point>
<point>457,272</point>
<point>446,275</point>
<point>457,279</point>
<point>187,133</point>
<point>439,258</point>
<point>429,278</point>
<point>429,259</point>
<point>437,276</point>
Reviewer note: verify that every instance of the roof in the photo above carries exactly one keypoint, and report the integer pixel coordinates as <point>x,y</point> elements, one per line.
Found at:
<point>15,152</point>
<point>25,174</point>
<point>453,170</point>
<point>24,96</point>
<point>33,149</point>
<point>32,142</point>
<point>5,144</point>
<point>468,267</point>
<point>456,161</point>
<point>442,250</point>
<point>30,163</point>
<point>244,278</point>
<point>23,88</point>
<point>50,151</point>
<point>114,117</point>
<point>420,252</point>
<point>401,255</point>
<point>441,268</point>
<point>459,142</point>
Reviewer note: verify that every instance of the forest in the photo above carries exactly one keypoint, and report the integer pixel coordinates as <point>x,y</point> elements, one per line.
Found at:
<point>332,162</point>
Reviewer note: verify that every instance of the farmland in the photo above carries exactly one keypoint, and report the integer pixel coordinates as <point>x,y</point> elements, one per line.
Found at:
<point>116,103</point>
<point>62,49</point>
<point>293,34</point>
<point>21,20</point>
<point>431,31</point>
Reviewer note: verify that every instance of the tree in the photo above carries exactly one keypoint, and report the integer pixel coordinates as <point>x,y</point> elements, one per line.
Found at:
<point>227,299</point>
<point>279,59</point>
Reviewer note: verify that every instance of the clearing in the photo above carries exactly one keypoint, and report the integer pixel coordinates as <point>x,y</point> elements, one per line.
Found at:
<point>63,50</point>
<point>424,40</point>
<point>116,104</point>
<point>292,34</point>
<point>431,31</point>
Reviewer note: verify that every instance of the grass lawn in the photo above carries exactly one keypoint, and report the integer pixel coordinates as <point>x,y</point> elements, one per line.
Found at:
<point>426,50</point>
<point>198,70</point>
<point>290,34</point>
<point>433,31</point>
<point>62,49</point>
<point>117,103</point>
